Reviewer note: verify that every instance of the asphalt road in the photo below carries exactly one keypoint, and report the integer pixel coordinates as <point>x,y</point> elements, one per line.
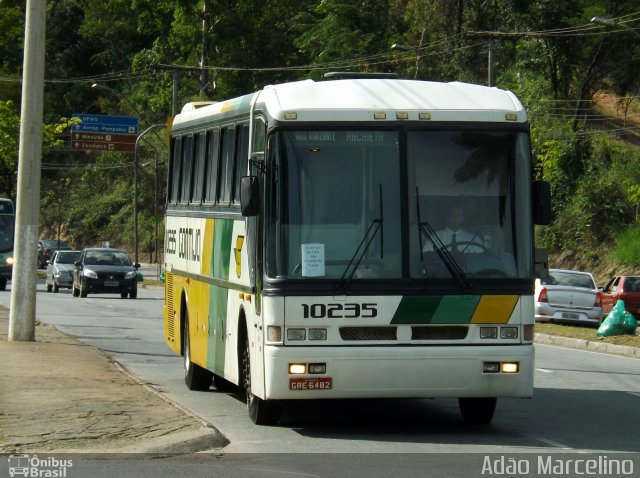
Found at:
<point>584,402</point>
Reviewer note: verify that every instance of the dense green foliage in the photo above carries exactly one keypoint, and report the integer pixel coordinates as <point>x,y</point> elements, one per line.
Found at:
<point>549,53</point>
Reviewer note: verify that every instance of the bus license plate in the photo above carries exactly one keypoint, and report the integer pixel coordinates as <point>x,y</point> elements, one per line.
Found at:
<point>111,283</point>
<point>315,383</point>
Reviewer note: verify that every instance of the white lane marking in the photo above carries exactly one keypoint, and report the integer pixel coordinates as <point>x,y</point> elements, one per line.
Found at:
<point>544,370</point>
<point>553,443</point>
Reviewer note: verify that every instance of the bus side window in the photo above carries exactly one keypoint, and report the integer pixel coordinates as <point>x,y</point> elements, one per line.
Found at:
<point>225,178</point>
<point>175,169</point>
<point>198,169</point>
<point>211,168</point>
<point>187,167</point>
<point>242,151</point>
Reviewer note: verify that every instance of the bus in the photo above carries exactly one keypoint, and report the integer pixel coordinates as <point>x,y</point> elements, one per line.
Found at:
<point>7,226</point>
<point>302,256</point>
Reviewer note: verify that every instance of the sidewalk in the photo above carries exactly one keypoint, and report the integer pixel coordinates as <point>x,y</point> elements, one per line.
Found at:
<point>60,395</point>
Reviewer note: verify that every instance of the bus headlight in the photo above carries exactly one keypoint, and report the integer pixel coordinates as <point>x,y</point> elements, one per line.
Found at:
<point>297,368</point>
<point>508,332</point>
<point>296,334</point>
<point>510,367</point>
<point>317,334</point>
<point>488,332</point>
<point>9,261</point>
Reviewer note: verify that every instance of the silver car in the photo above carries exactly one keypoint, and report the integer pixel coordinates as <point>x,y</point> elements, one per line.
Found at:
<point>567,296</point>
<point>60,270</point>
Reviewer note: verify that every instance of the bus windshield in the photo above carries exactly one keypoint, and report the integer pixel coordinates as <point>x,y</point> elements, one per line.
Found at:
<point>340,199</point>
<point>6,233</point>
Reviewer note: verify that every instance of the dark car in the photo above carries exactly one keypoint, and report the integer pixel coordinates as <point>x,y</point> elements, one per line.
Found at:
<point>46,248</point>
<point>625,288</point>
<point>105,271</point>
<point>60,270</point>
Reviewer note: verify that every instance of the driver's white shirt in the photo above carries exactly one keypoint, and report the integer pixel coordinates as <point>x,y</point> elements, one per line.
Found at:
<point>446,236</point>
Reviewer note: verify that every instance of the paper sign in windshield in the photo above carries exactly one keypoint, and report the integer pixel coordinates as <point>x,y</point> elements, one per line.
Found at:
<point>313,260</point>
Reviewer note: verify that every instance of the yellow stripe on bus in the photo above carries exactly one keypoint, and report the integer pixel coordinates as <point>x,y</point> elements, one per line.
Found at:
<point>494,309</point>
<point>207,248</point>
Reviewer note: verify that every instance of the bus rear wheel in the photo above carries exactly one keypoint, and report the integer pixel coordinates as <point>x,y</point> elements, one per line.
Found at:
<point>261,412</point>
<point>478,411</point>
<point>196,377</point>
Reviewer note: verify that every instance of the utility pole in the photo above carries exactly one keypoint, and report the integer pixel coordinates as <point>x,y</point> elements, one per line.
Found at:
<point>22,316</point>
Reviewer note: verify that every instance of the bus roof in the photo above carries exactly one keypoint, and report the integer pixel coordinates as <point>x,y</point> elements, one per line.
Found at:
<point>367,99</point>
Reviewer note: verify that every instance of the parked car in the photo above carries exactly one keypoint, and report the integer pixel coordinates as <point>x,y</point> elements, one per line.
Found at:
<point>566,296</point>
<point>104,271</point>
<point>60,270</point>
<point>46,247</point>
<point>625,288</point>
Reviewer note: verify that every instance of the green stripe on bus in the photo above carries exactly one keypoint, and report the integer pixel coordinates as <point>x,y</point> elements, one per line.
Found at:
<point>217,328</point>
<point>222,232</point>
<point>457,309</point>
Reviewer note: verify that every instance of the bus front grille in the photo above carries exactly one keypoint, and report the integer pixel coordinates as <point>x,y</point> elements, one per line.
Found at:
<point>444,332</point>
<point>368,333</point>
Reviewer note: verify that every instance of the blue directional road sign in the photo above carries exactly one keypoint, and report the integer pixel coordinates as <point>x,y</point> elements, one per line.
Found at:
<point>105,124</point>
<point>104,133</point>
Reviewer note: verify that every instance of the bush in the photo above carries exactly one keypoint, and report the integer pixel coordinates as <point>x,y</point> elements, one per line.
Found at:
<point>627,249</point>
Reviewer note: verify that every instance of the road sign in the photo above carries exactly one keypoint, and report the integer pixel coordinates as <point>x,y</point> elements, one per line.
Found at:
<point>104,133</point>
<point>105,124</point>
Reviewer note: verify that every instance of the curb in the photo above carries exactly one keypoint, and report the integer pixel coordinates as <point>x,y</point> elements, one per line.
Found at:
<point>210,437</point>
<point>592,345</point>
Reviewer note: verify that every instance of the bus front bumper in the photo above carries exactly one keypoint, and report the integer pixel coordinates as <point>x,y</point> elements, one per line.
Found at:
<point>399,372</point>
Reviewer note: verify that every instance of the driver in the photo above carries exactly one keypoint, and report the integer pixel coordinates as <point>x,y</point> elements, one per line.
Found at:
<point>453,236</point>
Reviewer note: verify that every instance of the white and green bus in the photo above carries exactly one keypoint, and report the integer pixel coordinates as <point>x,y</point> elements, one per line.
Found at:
<point>302,253</point>
<point>7,233</point>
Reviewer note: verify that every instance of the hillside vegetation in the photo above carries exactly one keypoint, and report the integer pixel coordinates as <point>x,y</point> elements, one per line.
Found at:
<point>578,80</point>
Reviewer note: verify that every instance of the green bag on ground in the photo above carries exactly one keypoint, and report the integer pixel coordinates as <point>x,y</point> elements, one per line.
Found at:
<point>618,322</point>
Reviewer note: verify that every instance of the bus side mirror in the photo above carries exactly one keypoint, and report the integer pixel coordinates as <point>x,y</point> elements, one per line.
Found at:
<point>541,203</point>
<point>249,196</point>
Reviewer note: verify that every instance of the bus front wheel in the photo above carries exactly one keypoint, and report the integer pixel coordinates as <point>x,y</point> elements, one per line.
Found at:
<point>261,412</point>
<point>478,411</point>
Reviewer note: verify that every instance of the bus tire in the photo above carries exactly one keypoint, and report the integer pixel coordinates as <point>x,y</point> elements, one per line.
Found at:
<point>3,284</point>
<point>261,412</point>
<point>477,411</point>
<point>196,377</point>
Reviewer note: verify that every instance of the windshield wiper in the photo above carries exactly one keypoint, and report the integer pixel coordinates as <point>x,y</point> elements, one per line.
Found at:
<point>438,246</point>
<point>363,247</point>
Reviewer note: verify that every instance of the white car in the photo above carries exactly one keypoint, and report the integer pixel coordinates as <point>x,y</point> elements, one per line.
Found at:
<point>60,270</point>
<point>566,296</point>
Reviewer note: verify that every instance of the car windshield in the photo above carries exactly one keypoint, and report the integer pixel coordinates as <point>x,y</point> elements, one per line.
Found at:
<point>67,257</point>
<point>632,284</point>
<point>101,258</point>
<point>55,244</point>
<point>573,279</point>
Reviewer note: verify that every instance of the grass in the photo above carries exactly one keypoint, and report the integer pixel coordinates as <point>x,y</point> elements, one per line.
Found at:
<point>586,333</point>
